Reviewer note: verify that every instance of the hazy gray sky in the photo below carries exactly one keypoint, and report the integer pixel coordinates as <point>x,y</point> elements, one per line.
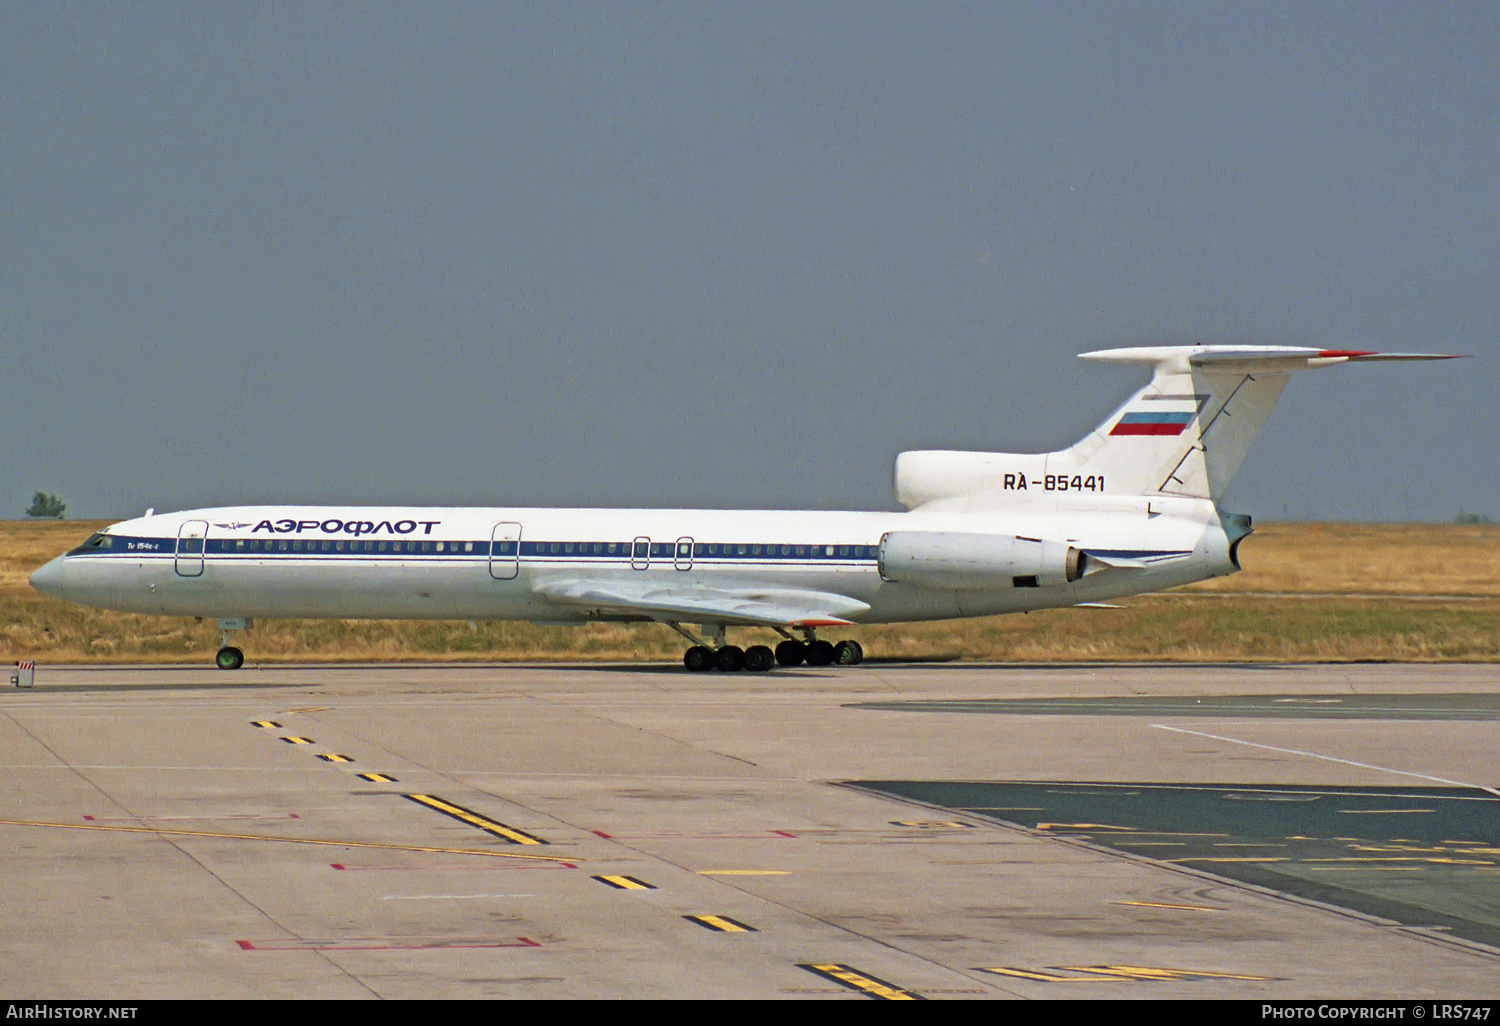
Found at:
<point>729,255</point>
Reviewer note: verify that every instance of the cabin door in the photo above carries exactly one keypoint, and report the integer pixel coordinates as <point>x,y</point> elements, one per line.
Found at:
<point>191,538</point>
<point>505,551</point>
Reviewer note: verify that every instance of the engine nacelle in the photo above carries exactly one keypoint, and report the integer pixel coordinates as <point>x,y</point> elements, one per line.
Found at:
<point>967,562</point>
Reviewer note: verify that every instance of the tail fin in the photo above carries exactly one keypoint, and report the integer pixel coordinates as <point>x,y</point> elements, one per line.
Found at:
<point>1184,434</point>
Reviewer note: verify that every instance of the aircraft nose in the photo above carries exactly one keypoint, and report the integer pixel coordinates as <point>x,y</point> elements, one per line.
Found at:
<point>49,579</point>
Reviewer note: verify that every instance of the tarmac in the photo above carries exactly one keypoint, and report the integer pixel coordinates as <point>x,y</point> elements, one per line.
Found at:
<point>884,831</point>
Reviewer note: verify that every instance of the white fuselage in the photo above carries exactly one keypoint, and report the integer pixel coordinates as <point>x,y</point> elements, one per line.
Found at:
<point>1129,508</point>
<point>498,564</point>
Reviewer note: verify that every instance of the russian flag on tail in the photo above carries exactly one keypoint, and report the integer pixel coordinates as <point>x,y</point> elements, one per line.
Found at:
<point>1166,422</point>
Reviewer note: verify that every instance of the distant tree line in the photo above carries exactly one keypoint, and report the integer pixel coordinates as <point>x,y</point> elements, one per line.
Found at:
<point>44,505</point>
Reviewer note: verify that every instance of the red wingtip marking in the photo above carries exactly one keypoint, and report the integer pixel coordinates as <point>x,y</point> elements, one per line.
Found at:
<point>1346,353</point>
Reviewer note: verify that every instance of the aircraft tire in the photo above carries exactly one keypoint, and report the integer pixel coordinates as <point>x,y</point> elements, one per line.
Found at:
<point>791,653</point>
<point>229,658</point>
<point>848,653</point>
<point>758,659</point>
<point>730,658</point>
<point>698,659</point>
<point>819,653</point>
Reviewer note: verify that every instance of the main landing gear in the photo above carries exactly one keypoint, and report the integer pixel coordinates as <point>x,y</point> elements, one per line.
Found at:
<point>713,654</point>
<point>229,657</point>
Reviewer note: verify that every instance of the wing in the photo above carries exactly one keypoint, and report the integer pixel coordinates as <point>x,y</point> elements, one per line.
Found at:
<point>750,607</point>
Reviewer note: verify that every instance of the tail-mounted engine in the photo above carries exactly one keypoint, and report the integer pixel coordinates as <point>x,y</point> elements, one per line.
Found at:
<point>963,561</point>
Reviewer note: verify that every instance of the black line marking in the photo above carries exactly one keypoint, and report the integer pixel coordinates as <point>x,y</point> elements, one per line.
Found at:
<point>721,924</point>
<point>862,982</point>
<point>474,819</point>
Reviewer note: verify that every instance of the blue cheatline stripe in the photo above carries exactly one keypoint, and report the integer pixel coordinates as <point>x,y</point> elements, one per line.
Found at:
<point>549,551</point>
<point>1153,417</point>
<point>711,552</point>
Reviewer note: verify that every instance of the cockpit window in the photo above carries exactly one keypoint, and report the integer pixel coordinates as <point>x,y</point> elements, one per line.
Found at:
<point>97,543</point>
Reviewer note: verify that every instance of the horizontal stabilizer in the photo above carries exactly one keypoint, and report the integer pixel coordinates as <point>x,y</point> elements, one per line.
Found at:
<point>1247,359</point>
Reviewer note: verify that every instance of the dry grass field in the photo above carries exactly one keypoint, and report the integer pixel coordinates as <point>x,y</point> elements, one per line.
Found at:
<point>1309,592</point>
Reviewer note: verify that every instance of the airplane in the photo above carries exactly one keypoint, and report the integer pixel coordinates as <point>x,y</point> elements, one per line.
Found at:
<point>1130,508</point>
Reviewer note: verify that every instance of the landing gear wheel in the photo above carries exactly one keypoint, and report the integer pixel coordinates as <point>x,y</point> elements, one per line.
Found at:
<point>848,653</point>
<point>699,659</point>
<point>791,653</point>
<point>819,653</point>
<point>230,658</point>
<point>730,658</point>
<point>758,659</point>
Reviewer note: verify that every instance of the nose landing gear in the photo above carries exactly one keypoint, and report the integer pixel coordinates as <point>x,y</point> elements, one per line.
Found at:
<point>229,657</point>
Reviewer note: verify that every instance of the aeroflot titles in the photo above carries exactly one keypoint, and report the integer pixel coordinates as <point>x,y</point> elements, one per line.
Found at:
<point>354,527</point>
